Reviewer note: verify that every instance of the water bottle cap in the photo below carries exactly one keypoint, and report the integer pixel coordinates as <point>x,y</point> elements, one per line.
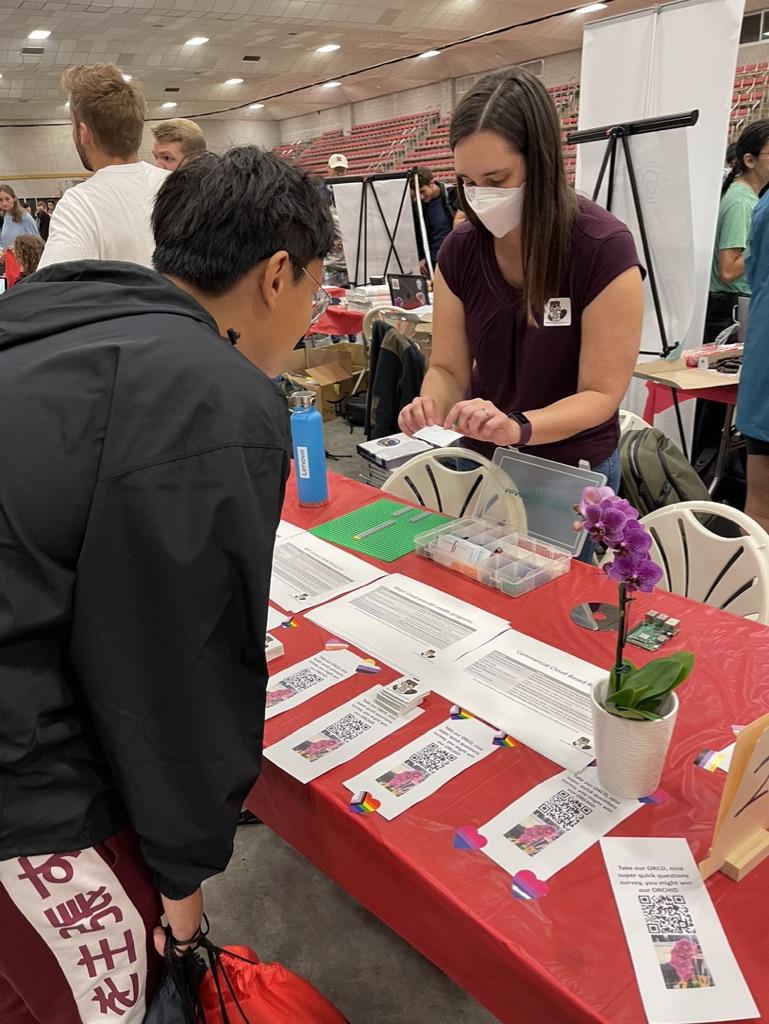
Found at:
<point>301,399</point>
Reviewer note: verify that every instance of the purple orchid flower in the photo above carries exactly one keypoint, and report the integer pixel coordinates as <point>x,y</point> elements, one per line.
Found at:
<point>635,540</point>
<point>637,572</point>
<point>605,522</point>
<point>593,496</point>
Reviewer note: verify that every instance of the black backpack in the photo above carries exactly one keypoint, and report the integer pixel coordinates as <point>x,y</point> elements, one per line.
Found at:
<point>655,472</point>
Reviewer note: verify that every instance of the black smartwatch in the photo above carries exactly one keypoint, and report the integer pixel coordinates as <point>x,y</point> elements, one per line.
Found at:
<point>525,424</point>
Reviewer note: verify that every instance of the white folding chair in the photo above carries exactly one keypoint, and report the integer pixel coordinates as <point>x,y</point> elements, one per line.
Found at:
<point>485,491</point>
<point>731,573</point>
<point>630,421</point>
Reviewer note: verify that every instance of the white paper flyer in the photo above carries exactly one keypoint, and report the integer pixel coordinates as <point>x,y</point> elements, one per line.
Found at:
<point>274,618</point>
<point>536,693</point>
<point>417,770</point>
<point>307,678</point>
<point>287,530</point>
<point>685,968</point>
<point>413,627</point>
<point>307,571</point>
<point>337,737</point>
<point>554,823</point>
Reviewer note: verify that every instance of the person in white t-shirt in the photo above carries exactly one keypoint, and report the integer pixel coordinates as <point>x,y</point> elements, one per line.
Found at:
<point>108,216</point>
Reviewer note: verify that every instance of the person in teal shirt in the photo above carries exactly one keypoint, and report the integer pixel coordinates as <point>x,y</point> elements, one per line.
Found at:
<point>739,195</point>
<point>752,403</point>
<point>15,221</point>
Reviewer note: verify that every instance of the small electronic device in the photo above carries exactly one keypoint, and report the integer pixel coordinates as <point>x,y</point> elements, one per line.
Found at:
<point>656,629</point>
<point>408,291</point>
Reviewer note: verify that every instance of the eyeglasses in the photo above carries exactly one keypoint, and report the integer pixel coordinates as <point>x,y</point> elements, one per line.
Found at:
<point>320,299</point>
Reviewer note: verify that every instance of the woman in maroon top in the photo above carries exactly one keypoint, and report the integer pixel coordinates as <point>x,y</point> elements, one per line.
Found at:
<point>538,295</point>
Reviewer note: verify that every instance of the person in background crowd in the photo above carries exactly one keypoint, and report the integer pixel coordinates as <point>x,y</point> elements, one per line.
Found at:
<point>739,195</point>
<point>440,209</point>
<point>16,219</point>
<point>752,404</point>
<point>132,650</point>
<point>731,156</point>
<point>43,218</point>
<point>108,216</point>
<point>51,206</point>
<point>28,249</point>
<point>538,296</point>
<point>177,140</point>
<point>337,165</point>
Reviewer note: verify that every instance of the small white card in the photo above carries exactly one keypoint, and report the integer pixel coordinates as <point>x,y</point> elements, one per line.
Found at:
<point>554,823</point>
<point>417,770</point>
<point>337,737</point>
<point>308,678</point>
<point>438,436</point>
<point>685,968</point>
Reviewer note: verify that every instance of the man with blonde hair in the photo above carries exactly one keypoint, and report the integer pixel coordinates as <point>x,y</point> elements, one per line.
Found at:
<point>177,140</point>
<point>108,216</point>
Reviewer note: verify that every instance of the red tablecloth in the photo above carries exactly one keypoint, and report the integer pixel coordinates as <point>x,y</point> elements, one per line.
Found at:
<point>337,320</point>
<point>660,397</point>
<point>563,958</point>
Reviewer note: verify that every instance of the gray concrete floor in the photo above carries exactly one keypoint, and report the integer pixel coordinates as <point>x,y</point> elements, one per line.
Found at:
<point>272,899</point>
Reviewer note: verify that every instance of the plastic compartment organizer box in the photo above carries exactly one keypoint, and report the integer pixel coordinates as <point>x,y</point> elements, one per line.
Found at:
<point>486,551</point>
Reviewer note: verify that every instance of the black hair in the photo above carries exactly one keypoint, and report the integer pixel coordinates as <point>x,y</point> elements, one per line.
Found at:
<point>425,176</point>
<point>751,141</point>
<point>217,217</point>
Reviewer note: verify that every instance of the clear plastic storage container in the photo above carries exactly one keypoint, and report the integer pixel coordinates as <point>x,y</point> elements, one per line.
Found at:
<point>517,562</point>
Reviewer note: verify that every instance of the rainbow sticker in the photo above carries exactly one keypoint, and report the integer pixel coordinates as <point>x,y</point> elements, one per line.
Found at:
<point>501,739</point>
<point>290,623</point>
<point>710,760</point>
<point>336,645</point>
<point>368,666</point>
<point>458,713</point>
<point>363,803</point>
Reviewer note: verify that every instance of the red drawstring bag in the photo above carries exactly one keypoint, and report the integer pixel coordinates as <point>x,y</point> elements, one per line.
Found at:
<point>12,269</point>
<point>238,989</point>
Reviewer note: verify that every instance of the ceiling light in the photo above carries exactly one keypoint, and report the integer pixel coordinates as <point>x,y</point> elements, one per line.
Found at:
<point>127,78</point>
<point>428,53</point>
<point>591,7</point>
<point>39,33</point>
<point>196,41</point>
<point>328,48</point>
<point>331,85</point>
<point>234,81</point>
<point>167,106</point>
<point>256,106</point>
<point>67,104</point>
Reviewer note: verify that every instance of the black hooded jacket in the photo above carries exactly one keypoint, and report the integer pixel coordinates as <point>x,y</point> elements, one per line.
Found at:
<point>142,470</point>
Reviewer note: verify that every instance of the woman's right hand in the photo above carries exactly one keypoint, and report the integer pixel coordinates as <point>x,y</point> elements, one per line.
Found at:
<point>417,414</point>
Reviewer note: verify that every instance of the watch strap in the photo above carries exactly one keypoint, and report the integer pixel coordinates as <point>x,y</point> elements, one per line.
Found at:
<point>525,424</point>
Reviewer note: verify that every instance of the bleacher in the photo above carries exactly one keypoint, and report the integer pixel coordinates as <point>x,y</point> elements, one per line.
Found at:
<point>750,93</point>
<point>291,151</point>
<point>371,147</point>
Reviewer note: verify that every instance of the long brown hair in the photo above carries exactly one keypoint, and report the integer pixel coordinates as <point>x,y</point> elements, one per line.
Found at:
<point>517,106</point>
<point>28,249</point>
<point>16,210</point>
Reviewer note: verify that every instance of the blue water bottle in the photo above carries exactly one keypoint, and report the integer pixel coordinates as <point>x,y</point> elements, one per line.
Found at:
<point>309,450</point>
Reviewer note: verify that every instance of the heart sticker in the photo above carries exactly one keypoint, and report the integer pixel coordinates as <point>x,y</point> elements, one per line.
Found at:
<point>364,803</point>
<point>290,624</point>
<point>458,713</point>
<point>469,838</point>
<point>368,666</point>
<point>336,645</point>
<point>659,796</point>
<point>526,886</point>
<point>501,739</point>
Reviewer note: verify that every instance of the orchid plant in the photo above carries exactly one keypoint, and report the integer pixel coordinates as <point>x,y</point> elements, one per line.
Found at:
<point>636,693</point>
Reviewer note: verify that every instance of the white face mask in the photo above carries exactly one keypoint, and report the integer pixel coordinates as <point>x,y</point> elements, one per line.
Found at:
<point>498,209</point>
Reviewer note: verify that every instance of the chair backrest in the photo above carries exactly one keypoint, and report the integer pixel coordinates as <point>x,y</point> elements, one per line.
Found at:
<point>402,320</point>
<point>630,421</point>
<point>479,489</point>
<point>731,573</point>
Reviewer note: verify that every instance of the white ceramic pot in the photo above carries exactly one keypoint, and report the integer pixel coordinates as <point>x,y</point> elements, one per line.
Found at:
<point>630,754</point>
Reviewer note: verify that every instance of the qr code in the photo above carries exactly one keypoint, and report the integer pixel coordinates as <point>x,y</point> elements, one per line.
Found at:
<point>347,728</point>
<point>302,680</point>
<point>563,810</point>
<point>666,915</point>
<point>431,758</point>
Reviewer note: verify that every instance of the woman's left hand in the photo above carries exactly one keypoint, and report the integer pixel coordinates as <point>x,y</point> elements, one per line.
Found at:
<point>480,419</point>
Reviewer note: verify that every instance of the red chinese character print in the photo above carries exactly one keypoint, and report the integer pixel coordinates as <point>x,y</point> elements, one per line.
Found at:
<point>112,999</point>
<point>88,959</point>
<point>84,913</point>
<point>55,870</point>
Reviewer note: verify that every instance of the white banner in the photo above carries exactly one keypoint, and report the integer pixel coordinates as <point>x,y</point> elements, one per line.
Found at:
<point>366,240</point>
<point>665,60</point>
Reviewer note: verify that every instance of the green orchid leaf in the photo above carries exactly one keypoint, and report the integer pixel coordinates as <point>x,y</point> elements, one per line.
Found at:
<point>628,696</point>
<point>660,676</point>
<point>634,714</point>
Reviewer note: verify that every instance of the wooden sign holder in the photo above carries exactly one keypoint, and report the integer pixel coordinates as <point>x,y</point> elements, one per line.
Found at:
<point>741,836</point>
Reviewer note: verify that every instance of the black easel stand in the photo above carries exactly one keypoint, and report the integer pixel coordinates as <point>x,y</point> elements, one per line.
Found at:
<point>614,135</point>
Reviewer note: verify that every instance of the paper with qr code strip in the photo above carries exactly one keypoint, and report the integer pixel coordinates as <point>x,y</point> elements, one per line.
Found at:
<point>412,773</point>
<point>306,679</point>
<point>337,737</point>
<point>554,823</point>
<point>685,968</point>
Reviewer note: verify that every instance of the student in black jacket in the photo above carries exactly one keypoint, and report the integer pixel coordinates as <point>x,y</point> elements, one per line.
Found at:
<point>142,472</point>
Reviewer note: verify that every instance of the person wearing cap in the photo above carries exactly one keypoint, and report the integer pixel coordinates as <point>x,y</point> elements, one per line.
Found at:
<point>337,165</point>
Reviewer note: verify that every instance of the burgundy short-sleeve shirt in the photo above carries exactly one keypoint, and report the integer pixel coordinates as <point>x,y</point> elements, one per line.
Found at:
<point>519,367</point>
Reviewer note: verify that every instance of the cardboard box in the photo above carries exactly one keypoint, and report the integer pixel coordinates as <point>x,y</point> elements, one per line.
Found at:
<point>327,372</point>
